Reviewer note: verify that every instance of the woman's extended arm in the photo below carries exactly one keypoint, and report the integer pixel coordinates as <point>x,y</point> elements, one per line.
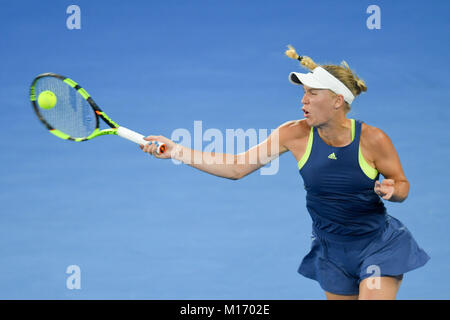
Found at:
<point>228,166</point>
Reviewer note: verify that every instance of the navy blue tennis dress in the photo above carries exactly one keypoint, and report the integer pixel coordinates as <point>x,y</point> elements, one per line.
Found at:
<point>353,237</point>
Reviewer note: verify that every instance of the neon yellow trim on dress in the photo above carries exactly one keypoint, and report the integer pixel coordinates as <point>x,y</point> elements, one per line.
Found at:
<point>365,167</point>
<point>305,156</point>
<point>353,129</point>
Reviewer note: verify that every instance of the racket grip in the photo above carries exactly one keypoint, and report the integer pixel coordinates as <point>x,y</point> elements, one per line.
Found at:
<point>139,139</point>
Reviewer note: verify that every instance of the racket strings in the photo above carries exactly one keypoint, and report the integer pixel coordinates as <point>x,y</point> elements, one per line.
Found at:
<point>72,114</point>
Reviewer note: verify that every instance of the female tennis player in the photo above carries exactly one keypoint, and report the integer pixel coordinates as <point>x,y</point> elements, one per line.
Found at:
<point>358,251</point>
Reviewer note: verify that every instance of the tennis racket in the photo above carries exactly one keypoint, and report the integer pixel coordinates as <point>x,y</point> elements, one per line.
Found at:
<point>73,114</point>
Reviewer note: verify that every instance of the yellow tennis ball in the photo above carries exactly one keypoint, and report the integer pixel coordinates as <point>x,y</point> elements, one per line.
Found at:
<point>47,99</point>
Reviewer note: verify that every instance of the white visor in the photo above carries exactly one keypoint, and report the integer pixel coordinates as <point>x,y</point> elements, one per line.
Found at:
<point>320,78</point>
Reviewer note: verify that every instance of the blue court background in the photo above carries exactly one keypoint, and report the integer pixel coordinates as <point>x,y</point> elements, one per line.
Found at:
<point>142,228</point>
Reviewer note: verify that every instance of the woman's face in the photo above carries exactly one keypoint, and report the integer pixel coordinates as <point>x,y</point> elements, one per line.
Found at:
<point>318,105</point>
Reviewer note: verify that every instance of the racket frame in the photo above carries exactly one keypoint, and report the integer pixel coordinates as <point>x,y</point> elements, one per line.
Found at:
<point>98,112</point>
<point>129,134</point>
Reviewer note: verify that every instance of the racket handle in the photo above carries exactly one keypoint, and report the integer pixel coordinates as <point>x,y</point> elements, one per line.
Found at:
<point>139,139</point>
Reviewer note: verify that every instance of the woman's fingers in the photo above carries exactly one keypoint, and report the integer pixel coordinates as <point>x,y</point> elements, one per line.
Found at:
<point>149,148</point>
<point>385,189</point>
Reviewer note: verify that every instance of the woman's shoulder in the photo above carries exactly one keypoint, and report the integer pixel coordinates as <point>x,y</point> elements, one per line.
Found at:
<point>372,136</point>
<point>294,135</point>
<point>295,128</point>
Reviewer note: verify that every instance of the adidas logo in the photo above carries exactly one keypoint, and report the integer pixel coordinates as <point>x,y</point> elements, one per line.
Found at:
<point>332,156</point>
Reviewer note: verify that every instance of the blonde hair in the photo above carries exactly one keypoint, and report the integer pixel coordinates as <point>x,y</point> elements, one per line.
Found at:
<point>342,72</point>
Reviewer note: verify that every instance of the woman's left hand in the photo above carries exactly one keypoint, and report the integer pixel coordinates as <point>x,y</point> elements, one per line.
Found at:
<point>385,189</point>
